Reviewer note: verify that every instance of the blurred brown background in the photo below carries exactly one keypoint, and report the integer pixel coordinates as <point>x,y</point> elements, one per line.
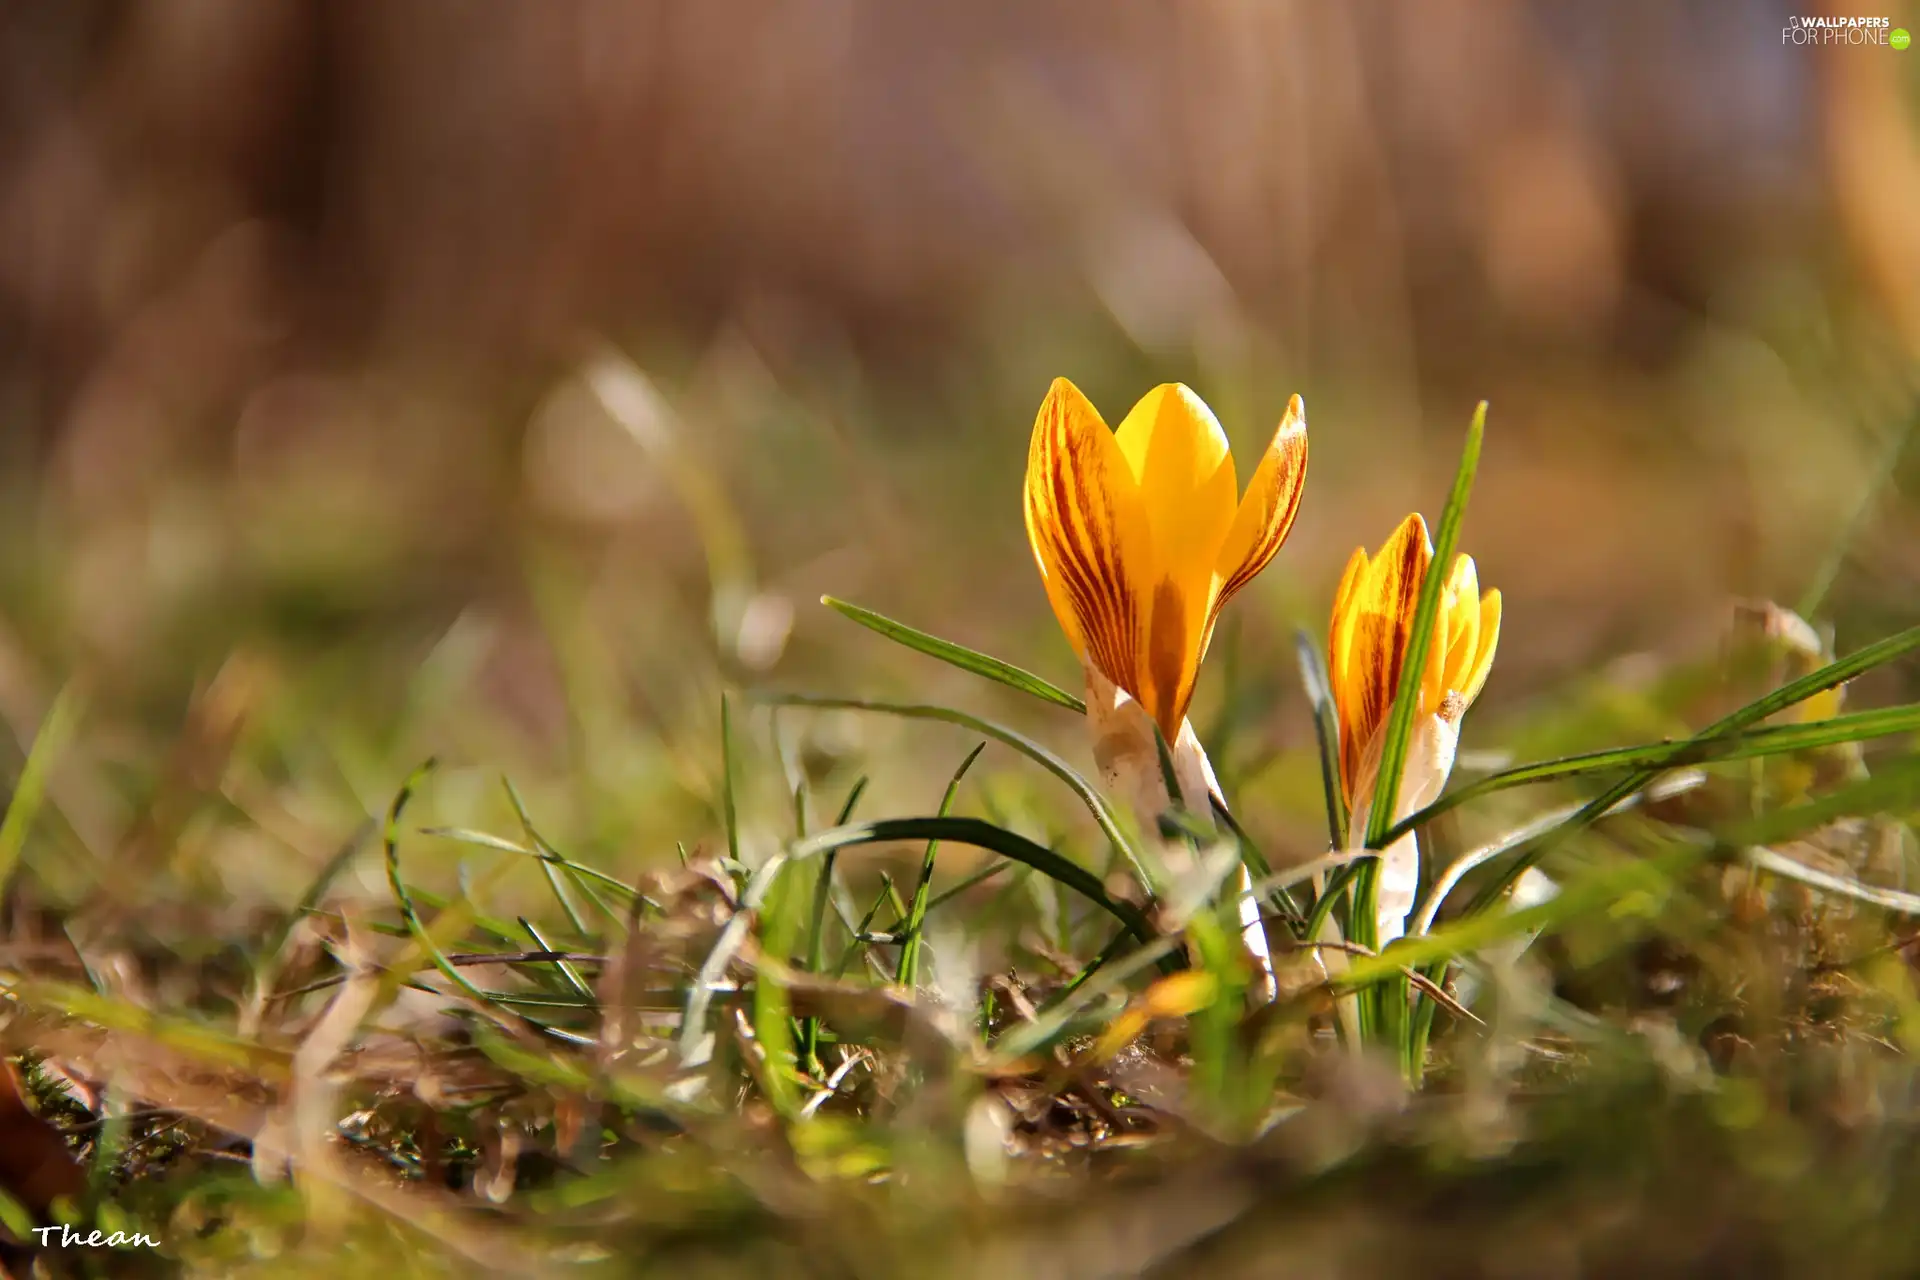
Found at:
<point>295,297</point>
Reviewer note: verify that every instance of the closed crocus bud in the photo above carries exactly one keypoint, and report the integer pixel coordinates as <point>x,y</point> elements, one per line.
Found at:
<point>1366,648</point>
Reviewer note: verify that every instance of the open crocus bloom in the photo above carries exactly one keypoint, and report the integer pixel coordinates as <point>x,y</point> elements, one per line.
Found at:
<point>1141,536</point>
<point>1372,618</point>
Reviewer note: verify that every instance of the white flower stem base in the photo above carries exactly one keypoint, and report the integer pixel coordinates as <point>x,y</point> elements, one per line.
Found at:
<point>1126,750</point>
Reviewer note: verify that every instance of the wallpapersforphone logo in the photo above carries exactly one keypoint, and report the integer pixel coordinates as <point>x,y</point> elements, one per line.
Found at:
<point>1824,30</point>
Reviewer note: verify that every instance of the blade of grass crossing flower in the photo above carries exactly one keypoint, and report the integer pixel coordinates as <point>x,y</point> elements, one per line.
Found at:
<point>1592,893</point>
<point>1836,673</point>
<point>1326,731</point>
<point>970,660</point>
<point>1393,752</point>
<point>1385,1012</point>
<point>911,950</point>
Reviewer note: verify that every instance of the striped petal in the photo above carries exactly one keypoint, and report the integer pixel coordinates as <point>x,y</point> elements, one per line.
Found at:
<point>1366,645</point>
<point>1088,533</point>
<point>1267,510</point>
<point>1368,639</point>
<point>1140,533</point>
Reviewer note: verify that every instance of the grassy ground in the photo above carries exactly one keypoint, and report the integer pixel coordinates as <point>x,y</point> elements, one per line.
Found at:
<point>603,905</point>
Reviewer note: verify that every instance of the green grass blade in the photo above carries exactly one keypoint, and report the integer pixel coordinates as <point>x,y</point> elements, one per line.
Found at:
<point>696,1040</point>
<point>1049,1023</point>
<point>1096,804</point>
<point>1448,880</point>
<point>566,967</point>
<point>1385,1015</point>
<point>1393,751</point>
<point>1874,655</point>
<point>1326,731</point>
<point>1844,886</point>
<point>971,660</point>
<point>185,1033</point>
<point>817,926</point>
<point>1895,785</point>
<point>1878,484</point>
<point>1857,726</point>
<point>1336,885</point>
<point>486,840</point>
<point>910,951</point>
<point>977,878</point>
<point>727,806</point>
<point>557,866</point>
<point>981,835</point>
<point>410,914</point>
<point>31,790</point>
<point>772,1008</point>
<point>1474,933</point>
<point>857,933</point>
<point>1260,870</point>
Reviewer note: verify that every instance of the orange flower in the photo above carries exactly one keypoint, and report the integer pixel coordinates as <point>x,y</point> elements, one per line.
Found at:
<point>1367,644</point>
<point>1141,534</point>
<point>1366,649</point>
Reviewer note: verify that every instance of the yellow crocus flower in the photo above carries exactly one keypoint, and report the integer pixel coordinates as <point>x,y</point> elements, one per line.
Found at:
<point>1366,647</point>
<point>1141,534</point>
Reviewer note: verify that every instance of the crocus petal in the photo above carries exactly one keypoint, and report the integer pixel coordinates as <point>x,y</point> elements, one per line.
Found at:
<point>1089,533</point>
<point>1429,760</point>
<point>1487,641</point>
<point>1455,636</point>
<point>1178,454</point>
<point>1373,615</point>
<point>1368,638</point>
<point>1266,511</point>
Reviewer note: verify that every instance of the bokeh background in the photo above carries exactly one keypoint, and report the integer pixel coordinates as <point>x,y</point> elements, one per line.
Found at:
<point>381,378</point>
